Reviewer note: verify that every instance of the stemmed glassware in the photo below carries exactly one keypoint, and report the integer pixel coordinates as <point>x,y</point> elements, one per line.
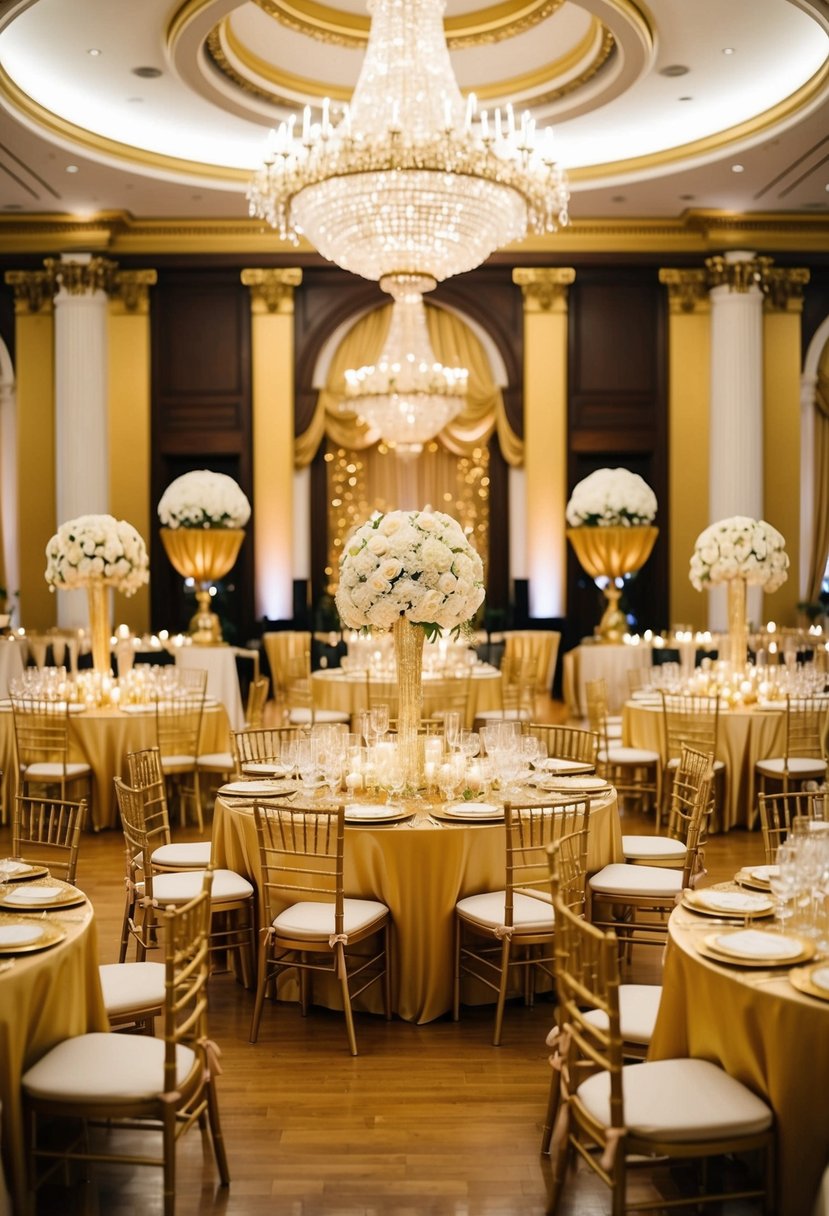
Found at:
<point>379,722</point>
<point>783,882</point>
<point>452,728</point>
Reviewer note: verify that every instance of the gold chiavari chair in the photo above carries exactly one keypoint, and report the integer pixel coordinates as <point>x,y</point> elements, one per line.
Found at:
<point>310,925</point>
<point>542,645</point>
<point>166,1084</point>
<point>618,894</point>
<point>178,721</point>
<point>279,647</point>
<point>689,720</point>
<point>146,773</point>
<point>777,812</point>
<point>43,748</point>
<point>650,1114</point>
<point>256,700</point>
<point>633,770</point>
<point>299,695</point>
<point>47,832</point>
<point>262,744</point>
<point>566,742</point>
<point>670,849</point>
<point>517,695</point>
<point>803,757</point>
<point>499,932</point>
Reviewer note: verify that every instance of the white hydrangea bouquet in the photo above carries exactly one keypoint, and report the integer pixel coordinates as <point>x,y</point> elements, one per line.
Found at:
<point>414,564</point>
<point>611,498</point>
<point>740,547</point>
<point>97,547</point>
<point>203,499</point>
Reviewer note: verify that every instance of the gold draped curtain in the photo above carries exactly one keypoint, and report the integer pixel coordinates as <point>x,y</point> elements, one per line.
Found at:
<point>454,344</point>
<point>820,539</point>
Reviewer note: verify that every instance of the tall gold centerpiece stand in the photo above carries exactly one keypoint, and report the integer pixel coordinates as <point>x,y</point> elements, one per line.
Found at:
<point>100,633</point>
<point>737,640</point>
<point>408,651</point>
<point>203,554</point>
<point>612,553</point>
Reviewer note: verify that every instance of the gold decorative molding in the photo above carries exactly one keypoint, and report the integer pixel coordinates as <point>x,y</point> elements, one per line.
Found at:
<point>544,288</point>
<point>782,289</point>
<point>33,290</point>
<point>273,288</point>
<point>687,290</point>
<point>131,289</point>
<point>82,276</point>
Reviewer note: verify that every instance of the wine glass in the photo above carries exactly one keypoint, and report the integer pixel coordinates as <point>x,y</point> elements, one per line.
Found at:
<point>287,757</point>
<point>379,715</point>
<point>395,778</point>
<point>307,764</point>
<point>783,883</point>
<point>447,781</point>
<point>470,743</point>
<point>452,728</point>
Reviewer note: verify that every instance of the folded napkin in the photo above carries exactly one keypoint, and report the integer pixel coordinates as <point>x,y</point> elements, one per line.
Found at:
<point>33,895</point>
<point>367,811</point>
<point>7,866</point>
<point>473,809</point>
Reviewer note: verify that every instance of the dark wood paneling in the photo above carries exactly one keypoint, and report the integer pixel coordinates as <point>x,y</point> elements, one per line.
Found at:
<point>201,418</point>
<point>618,417</point>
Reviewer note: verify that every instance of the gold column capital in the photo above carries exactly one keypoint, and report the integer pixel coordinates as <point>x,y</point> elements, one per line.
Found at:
<point>544,287</point>
<point>33,290</point>
<point>273,289</point>
<point>782,288</point>
<point>687,290</point>
<point>81,276</point>
<point>130,289</point>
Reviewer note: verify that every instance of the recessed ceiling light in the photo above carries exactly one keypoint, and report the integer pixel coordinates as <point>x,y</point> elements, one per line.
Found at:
<point>618,198</point>
<point>72,169</point>
<point>674,69</point>
<point>728,50</point>
<point>135,101</point>
<point>94,52</point>
<point>687,198</point>
<point>737,168</point>
<point>147,73</point>
<point>687,97</point>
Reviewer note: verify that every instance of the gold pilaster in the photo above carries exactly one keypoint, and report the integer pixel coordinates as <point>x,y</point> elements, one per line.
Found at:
<point>132,289</point>
<point>33,290</point>
<point>782,449</point>
<point>545,292</point>
<point>272,348</point>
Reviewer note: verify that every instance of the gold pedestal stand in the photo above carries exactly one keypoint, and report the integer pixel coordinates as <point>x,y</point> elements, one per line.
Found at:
<point>612,553</point>
<point>203,554</point>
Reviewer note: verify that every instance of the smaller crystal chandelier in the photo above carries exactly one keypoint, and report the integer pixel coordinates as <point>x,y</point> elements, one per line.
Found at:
<point>407,396</point>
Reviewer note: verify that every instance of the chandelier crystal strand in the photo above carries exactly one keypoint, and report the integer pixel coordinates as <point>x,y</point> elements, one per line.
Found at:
<point>410,179</point>
<point>407,396</point>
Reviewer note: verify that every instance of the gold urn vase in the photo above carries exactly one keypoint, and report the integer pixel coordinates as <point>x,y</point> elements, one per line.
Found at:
<point>203,554</point>
<point>612,553</point>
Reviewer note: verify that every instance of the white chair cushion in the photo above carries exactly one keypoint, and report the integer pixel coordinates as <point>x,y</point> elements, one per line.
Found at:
<point>487,910</point>
<point>179,888</point>
<point>653,848</point>
<point>631,755</point>
<point>54,772</point>
<point>183,856</point>
<point>302,717</point>
<point>621,879</point>
<point>129,986</point>
<point>104,1068</point>
<point>638,1007</point>
<point>683,1100</point>
<point>221,762</point>
<point>803,766</point>
<point>315,921</point>
<point>174,764</point>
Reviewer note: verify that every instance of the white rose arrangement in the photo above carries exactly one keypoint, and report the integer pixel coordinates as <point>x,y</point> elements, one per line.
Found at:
<point>203,499</point>
<point>97,547</point>
<point>416,564</point>
<point>611,498</point>
<point>739,547</point>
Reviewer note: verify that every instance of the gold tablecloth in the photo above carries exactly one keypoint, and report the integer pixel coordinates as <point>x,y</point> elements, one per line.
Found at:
<point>44,998</point>
<point>346,691</point>
<point>102,737</point>
<point>420,875</point>
<point>764,1033</point>
<point>745,736</point>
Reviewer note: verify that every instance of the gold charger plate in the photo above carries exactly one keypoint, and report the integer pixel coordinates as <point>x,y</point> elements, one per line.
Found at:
<point>23,873</point>
<point>745,878</point>
<point>257,788</point>
<point>713,901</point>
<point>22,897</point>
<point>711,946</point>
<point>801,978</point>
<point>467,812</point>
<point>19,935</point>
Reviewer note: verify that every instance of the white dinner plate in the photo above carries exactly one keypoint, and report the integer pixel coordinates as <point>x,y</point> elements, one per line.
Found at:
<point>473,811</point>
<point>256,789</point>
<point>765,873</point>
<point>732,903</point>
<point>260,768</point>
<point>12,870</point>
<point>20,935</point>
<point>360,812</point>
<point>24,937</point>
<point>576,784</point>
<point>41,893</point>
<point>758,946</point>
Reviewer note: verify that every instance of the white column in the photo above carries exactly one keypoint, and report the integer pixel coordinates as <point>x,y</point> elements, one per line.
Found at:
<point>808,387</point>
<point>736,418</point>
<point>81,429</point>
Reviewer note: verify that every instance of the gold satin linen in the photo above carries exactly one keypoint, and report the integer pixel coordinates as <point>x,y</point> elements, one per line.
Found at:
<point>420,875</point>
<point>102,737</point>
<point>764,1033</point>
<point>745,736</point>
<point>45,997</point>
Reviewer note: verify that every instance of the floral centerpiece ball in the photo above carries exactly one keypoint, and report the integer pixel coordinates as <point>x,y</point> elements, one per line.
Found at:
<point>611,498</point>
<point>203,499</point>
<point>97,548</point>
<point>413,564</point>
<point>740,547</point>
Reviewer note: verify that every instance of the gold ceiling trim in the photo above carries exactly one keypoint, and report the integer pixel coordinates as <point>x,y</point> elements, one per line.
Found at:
<point>495,23</point>
<point>699,232</point>
<point>286,87</point>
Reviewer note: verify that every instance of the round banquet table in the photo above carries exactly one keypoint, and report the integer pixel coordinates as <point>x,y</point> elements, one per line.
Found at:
<point>45,997</point>
<point>334,688</point>
<point>745,736</point>
<point>102,737</point>
<point>763,1032</point>
<point>420,875</point>
<point>601,661</point>
<point>222,678</point>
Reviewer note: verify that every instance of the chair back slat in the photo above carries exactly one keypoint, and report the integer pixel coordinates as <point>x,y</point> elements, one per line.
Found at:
<point>530,830</point>
<point>262,744</point>
<point>566,742</point>
<point>301,855</point>
<point>47,831</point>
<point>806,719</point>
<point>147,775</point>
<point>690,720</point>
<point>777,812</point>
<point>695,769</point>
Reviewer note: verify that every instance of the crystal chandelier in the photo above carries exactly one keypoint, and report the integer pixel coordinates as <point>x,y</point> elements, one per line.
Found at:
<point>408,396</point>
<point>410,179</point>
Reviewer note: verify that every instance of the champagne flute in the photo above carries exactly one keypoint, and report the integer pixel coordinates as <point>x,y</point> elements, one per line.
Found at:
<point>452,728</point>
<point>379,715</point>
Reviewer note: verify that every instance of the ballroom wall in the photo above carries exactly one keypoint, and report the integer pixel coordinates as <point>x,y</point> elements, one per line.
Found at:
<point>182,396</point>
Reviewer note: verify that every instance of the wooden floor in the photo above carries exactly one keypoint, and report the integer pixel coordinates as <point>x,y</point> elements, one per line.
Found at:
<point>427,1121</point>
